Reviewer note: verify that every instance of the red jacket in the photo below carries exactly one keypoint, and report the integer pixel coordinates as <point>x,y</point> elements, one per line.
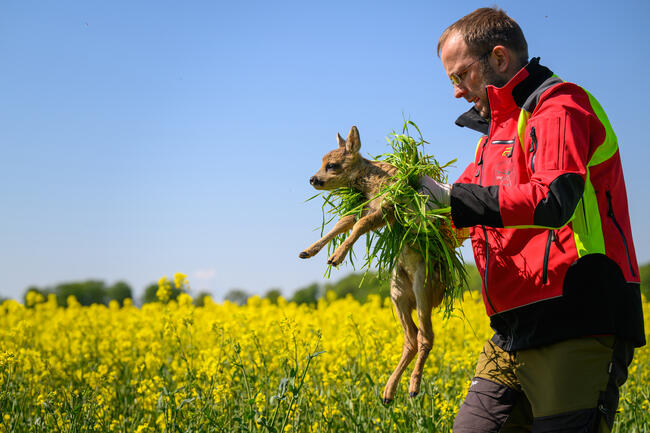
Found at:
<point>546,204</point>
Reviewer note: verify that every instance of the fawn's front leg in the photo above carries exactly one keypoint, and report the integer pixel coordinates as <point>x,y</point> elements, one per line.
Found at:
<point>365,224</point>
<point>343,225</point>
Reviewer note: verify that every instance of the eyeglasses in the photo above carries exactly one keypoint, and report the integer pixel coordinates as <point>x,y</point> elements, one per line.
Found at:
<point>457,78</point>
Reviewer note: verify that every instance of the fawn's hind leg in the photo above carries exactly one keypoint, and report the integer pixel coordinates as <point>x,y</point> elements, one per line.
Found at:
<point>428,295</point>
<point>404,302</point>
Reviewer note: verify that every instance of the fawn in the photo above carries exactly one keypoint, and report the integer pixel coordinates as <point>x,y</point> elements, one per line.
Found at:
<point>409,289</point>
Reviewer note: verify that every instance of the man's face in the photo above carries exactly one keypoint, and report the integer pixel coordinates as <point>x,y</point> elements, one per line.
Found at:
<point>457,59</point>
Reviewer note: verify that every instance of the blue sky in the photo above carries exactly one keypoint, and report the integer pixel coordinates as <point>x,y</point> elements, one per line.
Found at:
<point>143,138</point>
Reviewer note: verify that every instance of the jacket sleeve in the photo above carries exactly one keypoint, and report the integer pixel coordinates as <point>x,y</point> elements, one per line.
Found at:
<point>557,150</point>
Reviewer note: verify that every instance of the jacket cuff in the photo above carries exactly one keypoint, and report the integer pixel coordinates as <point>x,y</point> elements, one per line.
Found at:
<point>473,205</point>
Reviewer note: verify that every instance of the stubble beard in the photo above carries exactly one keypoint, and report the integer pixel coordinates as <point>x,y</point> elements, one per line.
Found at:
<point>492,78</point>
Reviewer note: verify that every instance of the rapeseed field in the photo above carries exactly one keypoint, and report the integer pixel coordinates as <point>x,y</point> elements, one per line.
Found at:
<point>262,367</point>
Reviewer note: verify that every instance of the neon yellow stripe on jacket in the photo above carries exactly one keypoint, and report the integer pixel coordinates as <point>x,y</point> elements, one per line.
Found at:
<point>477,146</point>
<point>587,227</point>
<point>521,127</point>
<point>609,147</point>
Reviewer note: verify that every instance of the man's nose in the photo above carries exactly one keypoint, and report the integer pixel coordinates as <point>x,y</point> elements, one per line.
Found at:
<point>459,91</point>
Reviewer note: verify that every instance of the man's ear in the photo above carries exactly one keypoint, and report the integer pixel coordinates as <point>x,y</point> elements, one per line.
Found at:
<point>502,59</point>
<point>353,143</point>
<point>340,140</point>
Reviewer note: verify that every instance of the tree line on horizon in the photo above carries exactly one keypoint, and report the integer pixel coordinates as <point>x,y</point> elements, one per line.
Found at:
<point>357,285</point>
<point>91,291</point>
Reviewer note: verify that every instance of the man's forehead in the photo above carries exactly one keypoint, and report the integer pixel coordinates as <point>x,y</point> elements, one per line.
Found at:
<point>454,51</point>
<point>454,45</point>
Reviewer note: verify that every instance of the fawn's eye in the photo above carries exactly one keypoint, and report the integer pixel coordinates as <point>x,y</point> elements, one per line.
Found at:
<point>331,166</point>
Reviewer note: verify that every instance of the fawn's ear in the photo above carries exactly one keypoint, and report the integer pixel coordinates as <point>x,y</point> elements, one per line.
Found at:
<point>353,143</point>
<point>340,140</point>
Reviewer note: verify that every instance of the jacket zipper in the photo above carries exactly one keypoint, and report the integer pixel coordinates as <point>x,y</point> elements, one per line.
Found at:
<point>549,241</point>
<point>533,148</point>
<point>610,213</point>
<point>487,246</point>
<point>485,273</point>
<point>479,170</point>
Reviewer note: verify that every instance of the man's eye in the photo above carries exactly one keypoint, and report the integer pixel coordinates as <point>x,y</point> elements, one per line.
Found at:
<point>331,166</point>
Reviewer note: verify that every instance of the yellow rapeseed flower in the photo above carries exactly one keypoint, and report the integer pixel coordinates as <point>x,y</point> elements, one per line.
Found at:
<point>164,290</point>
<point>180,280</point>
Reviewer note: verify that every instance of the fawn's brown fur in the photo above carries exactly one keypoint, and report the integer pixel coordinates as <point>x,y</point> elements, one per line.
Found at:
<point>409,289</point>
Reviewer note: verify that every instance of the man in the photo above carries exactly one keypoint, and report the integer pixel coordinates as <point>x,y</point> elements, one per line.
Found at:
<point>546,205</point>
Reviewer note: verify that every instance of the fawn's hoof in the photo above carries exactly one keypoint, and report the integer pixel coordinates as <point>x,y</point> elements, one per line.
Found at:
<point>334,261</point>
<point>387,401</point>
<point>304,255</point>
<point>413,394</point>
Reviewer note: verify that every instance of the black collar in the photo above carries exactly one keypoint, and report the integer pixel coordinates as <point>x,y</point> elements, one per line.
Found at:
<point>473,120</point>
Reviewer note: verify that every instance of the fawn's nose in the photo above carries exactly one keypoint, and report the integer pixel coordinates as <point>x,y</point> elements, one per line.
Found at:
<point>315,181</point>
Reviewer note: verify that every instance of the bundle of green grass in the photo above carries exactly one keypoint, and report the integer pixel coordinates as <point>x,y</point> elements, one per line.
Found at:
<point>417,225</point>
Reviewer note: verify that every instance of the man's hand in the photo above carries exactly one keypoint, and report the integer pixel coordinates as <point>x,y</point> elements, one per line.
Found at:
<point>439,193</point>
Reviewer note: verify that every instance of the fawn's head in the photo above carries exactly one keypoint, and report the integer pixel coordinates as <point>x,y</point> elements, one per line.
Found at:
<point>339,167</point>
